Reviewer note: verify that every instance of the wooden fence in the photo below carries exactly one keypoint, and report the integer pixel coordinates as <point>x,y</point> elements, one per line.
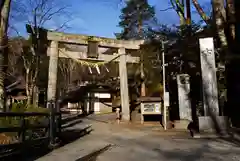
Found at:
<point>50,124</point>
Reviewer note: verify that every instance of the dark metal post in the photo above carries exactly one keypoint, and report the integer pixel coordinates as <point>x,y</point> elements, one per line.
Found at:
<point>23,129</point>
<point>164,87</point>
<point>51,123</point>
<point>59,117</point>
<point>91,103</point>
<point>11,103</point>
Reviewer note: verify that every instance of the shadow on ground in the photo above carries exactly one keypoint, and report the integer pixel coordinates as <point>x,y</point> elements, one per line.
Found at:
<point>93,156</point>
<point>234,138</point>
<point>71,135</point>
<point>202,153</point>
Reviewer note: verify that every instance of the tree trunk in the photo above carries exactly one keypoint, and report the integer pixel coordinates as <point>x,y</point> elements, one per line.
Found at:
<point>179,8</point>
<point>34,88</point>
<point>230,10</point>
<point>35,96</point>
<point>30,94</point>
<point>143,86</point>
<point>220,15</point>
<point>182,13</point>
<point>3,44</point>
<point>28,87</point>
<point>233,69</point>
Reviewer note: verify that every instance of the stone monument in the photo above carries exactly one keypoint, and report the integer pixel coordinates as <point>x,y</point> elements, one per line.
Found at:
<point>183,81</point>
<point>185,111</point>
<point>211,121</point>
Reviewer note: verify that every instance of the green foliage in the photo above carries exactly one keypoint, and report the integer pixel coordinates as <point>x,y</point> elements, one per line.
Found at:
<point>156,88</point>
<point>21,107</point>
<point>136,19</point>
<point>137,14</point>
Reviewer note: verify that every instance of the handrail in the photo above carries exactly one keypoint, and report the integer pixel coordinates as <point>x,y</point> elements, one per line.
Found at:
<point>26,114</point>
<point>19,128</point>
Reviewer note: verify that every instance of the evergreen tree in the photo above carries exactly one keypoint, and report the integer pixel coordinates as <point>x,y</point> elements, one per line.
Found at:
<point>135,19</point>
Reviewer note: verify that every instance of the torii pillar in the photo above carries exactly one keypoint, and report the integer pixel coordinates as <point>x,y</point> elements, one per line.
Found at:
<point>124,85</point>
<point>52,72</point>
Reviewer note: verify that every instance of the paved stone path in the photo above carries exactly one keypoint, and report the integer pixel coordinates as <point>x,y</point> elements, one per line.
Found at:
<point>139,145</point>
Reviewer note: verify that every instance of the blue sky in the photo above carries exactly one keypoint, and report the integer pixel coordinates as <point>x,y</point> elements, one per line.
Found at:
<point>101,17</point>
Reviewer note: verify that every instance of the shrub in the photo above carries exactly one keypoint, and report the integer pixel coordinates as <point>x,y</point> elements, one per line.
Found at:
<point>24,107</point>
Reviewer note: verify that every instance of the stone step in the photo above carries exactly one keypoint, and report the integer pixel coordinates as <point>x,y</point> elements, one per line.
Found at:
<point>71,123</point>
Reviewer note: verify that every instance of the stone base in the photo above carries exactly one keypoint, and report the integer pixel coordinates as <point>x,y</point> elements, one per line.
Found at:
<point>209,136</point>
<point>181,124</point>
<point>136,118</point>
<point>206,124</point>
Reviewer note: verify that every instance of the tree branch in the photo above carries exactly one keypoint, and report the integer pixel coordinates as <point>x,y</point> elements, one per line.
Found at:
<point>203,15</point>
<point>50,15</point>
<point>167,9</point>
<point>62,26</point>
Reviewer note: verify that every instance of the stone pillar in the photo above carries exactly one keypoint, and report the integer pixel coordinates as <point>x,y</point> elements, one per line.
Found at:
<point>87,103</point>
<point>185,111</point>
<point>96,105</point>
<point>211,121</point>
<point>52,72</point>
<point>209,78</point>
<point>91,103</point>
<point>124,85</point>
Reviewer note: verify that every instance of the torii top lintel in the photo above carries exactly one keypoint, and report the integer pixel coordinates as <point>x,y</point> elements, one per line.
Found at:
<point>83,40</point>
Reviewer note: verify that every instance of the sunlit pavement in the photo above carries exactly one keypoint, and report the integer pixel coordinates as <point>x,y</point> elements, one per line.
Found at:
<point>143,145</point>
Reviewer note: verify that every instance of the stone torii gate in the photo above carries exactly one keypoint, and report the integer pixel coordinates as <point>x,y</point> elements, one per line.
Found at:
<point>55,50</point>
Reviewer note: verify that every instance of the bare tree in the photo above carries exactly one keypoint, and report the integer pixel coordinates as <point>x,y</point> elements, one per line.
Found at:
<point>38,14</point>
<point>42,13</point>
<point>5,9</point>
<point>67,67</point>
<point>15,51</point>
